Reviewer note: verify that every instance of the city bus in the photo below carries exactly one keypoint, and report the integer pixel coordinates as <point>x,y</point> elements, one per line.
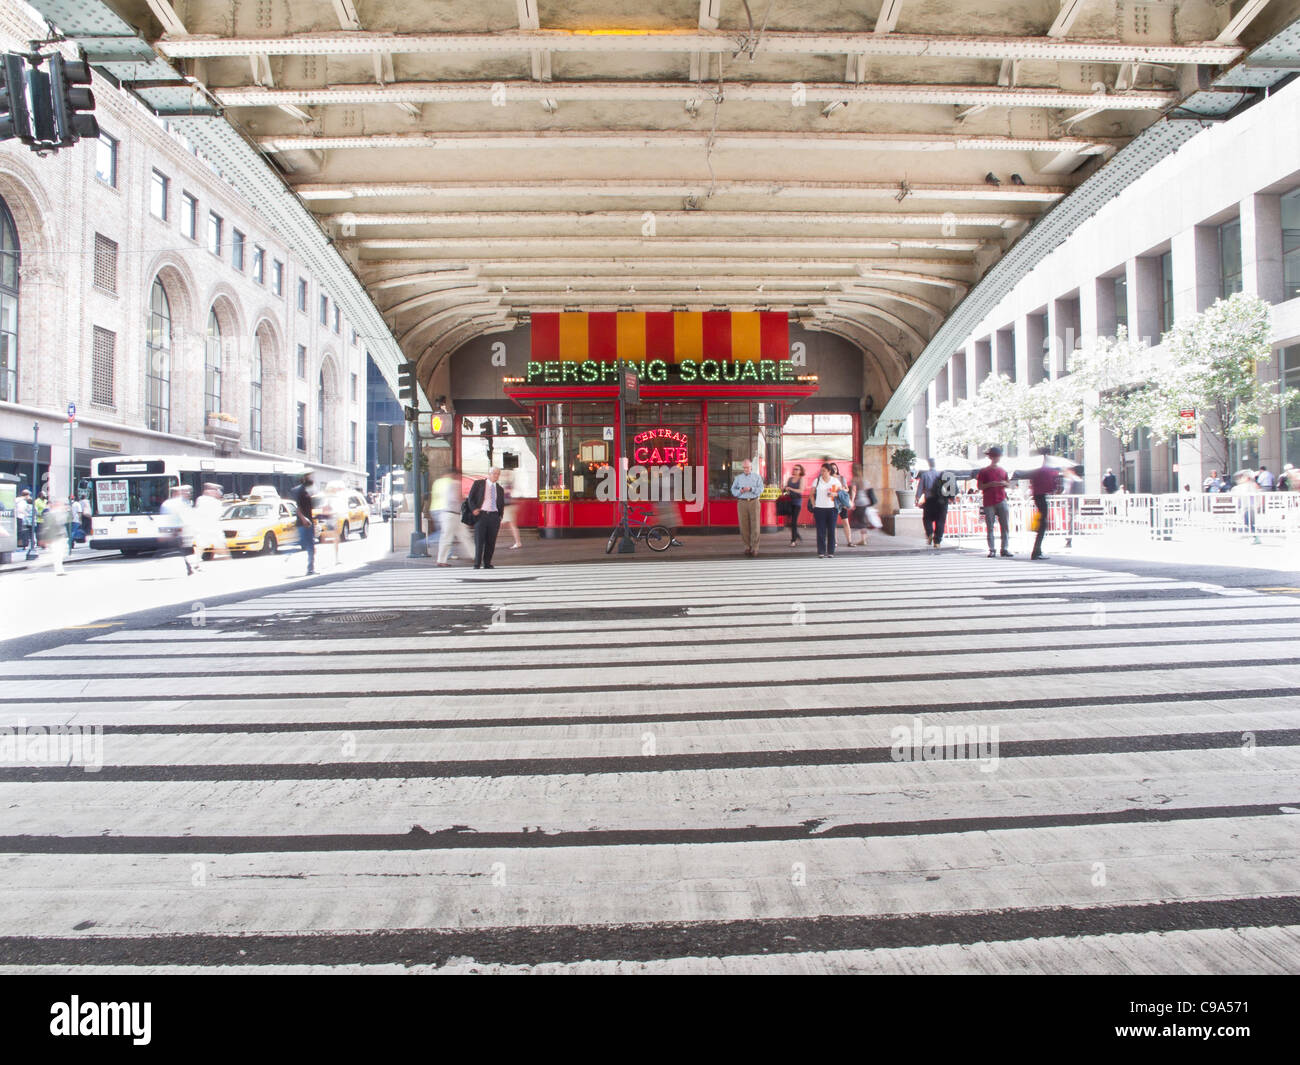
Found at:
<point>126,494</point>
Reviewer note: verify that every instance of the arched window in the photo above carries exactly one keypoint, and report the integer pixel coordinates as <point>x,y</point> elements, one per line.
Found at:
<point>255,396</point>
<point>212,366</point>
<point>158,360</point>
<point>320,418</point>
<point>9,262</point>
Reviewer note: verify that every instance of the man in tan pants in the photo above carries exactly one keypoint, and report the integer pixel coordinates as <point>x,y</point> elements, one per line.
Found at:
<point>747,487</point>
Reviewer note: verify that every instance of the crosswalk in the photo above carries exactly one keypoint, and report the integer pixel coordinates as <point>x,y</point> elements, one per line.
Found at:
<point>873,764</point>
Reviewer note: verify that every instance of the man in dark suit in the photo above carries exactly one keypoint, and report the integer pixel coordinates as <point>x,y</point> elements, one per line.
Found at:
<point>487,500</point>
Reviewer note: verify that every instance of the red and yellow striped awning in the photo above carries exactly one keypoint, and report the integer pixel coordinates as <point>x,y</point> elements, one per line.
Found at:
<point>674,336</point>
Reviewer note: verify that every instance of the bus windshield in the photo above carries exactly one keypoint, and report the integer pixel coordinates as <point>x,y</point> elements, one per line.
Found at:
<point>130,495</point>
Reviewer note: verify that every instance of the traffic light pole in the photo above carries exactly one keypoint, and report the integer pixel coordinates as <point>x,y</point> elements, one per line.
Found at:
<point>418,547</point>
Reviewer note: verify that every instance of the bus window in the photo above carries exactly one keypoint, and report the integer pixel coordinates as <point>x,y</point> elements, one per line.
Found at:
<point>130,495</point>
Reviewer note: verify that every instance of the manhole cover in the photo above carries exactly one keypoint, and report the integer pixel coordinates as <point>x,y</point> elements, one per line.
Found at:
<point>339,619</point>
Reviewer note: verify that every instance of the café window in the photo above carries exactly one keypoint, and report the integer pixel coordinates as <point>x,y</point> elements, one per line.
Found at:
<point>810,439</point>
<point>576,441</point>
<point>507,441</point>
<point>740,431</point>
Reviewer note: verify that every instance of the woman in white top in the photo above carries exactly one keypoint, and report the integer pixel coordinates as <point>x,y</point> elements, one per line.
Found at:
<point>821,498</point>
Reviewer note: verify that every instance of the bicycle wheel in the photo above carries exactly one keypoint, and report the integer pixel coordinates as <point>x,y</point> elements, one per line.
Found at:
<point>657,538</point>
<point>613,539</point>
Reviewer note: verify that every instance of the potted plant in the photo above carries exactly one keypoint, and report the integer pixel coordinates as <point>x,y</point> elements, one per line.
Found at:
<point>903,459</point>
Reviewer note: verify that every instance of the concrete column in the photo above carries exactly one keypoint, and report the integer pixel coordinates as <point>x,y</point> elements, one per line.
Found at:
<point>1005,343</point>
<point>1035,347</point>
<point>983,360</point>
<point>957,375</point>
<point>1063,331</point>
<point>1021,350</point>
<point>1261,247</point>
<point>1196,270</point>
<point>1096,310</point>
<point>1144,298</point>
<point>920,427</point>
<point>941,386</point>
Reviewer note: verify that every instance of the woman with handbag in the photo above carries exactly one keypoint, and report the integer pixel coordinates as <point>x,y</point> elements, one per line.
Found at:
<point>793,502</point>
<point>824,504</point>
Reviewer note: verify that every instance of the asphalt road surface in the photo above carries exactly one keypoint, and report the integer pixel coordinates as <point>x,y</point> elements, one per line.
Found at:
<point>714,765</point>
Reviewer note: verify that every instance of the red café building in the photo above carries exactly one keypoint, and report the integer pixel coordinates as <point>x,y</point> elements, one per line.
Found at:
<point>716,388</point>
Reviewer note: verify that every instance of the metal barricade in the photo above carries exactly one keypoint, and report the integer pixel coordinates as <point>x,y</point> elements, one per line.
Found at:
<point>1182,516</point>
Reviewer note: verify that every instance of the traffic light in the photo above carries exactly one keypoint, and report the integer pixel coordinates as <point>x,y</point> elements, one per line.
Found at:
<point>72,101</point>
<point>15,117</point>
<point>45,107</point>
<point>406,383</point>
<point>42,105</point>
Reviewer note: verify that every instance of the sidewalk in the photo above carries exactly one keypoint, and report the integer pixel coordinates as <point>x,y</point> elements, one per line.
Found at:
<point>696,545</point>
<point>81,554</point>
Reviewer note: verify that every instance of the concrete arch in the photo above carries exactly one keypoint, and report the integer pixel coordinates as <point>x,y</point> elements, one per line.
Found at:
<point>468,309</point>
<point>891,366</point>
<point>274,380</point>
<point>185,375</point>
<point>29,207</point>
<point>275,361</point>
<point>223,299</point>
<point>329,382</point>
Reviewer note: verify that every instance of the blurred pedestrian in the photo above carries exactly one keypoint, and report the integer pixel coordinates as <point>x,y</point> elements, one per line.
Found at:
<point>1265,479</point>
<point>178,528</point>
<point>1043,482</point>
<point>1214,483</point>
<point>862,497</point>
<point>306,522</point>
<point>446,502</point>
<point>794,494</point>
<point>510,516</point>
<point>1110,483</point>
<point>993,482</point>
<point>52,534</point>
<point>24,522</point>
<point>209,540</point>
<point>931,488</point>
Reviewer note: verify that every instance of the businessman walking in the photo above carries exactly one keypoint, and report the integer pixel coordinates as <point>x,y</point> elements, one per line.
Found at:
<point>486,502</point>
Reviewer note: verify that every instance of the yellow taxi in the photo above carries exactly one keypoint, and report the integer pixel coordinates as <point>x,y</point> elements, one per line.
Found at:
<point>349,513</point>
<point>259,523</point>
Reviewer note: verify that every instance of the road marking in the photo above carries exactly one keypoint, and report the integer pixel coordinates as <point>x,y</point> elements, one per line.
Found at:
<point>97,625</point>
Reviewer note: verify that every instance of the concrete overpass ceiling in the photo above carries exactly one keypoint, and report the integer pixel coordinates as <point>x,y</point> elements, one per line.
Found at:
<point>848,162</point>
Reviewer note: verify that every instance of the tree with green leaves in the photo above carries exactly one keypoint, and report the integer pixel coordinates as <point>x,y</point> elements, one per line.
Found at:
<point>1210,365</point>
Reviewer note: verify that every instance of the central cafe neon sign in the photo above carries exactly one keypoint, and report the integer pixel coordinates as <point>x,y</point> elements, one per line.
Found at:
<point>671,452</point>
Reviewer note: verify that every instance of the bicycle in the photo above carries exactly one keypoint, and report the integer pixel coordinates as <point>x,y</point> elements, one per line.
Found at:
<point>656,537</point>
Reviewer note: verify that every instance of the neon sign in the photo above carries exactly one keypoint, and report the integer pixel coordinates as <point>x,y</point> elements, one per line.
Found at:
<point>672,452</point>
<point>659,371</point>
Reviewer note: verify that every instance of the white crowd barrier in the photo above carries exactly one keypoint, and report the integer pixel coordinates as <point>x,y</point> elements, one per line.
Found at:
<point>1185,516</point>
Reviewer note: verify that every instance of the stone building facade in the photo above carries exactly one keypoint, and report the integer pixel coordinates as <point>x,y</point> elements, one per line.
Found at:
<point>136,284</point>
